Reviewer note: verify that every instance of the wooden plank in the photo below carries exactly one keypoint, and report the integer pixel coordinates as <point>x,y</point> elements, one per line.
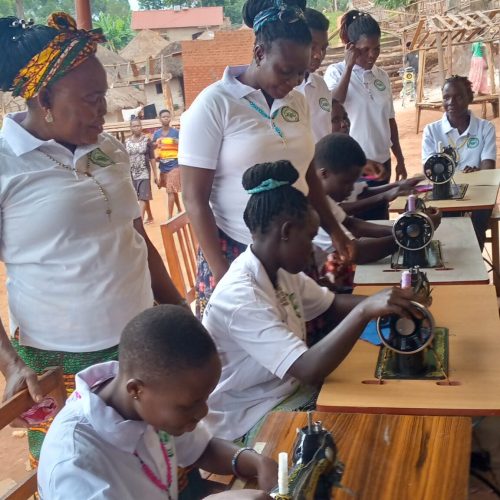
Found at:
<point>449,53</point>
<point>418,30</point>
<point>439,46</point>
<point>25,489</point>
<point>387,457</point>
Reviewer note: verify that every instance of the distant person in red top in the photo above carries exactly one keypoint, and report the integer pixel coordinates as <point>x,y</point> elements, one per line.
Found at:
<point>166,140</point>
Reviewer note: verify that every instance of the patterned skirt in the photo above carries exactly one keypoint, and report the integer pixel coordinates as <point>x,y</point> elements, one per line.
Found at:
<point>478,75</point>
<point>171,180</point>
<point>38,360</point>
<point>205,282</point>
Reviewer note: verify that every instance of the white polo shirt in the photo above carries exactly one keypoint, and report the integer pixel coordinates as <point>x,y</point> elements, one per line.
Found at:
<point>319,99</point>
<point>476,144</point>
<point>369,106</point>
<point>75,276</point>
<point>89,449</point>
<point>322,240</point>
<point>258,337</point>
<point>223,131</point>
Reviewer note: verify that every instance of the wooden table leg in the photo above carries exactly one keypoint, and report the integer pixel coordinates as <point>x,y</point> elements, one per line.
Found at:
<point>495,250</point>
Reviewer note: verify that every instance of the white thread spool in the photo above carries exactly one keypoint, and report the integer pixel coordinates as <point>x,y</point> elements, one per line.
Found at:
<point>283,473</point>
<point>406,280</point>
<point>412,203</point>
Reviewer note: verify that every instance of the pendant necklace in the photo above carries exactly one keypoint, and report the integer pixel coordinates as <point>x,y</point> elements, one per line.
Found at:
<point>86,173</point>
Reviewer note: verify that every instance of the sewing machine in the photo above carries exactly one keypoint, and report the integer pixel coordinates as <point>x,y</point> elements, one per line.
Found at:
<point>413,348</point>
<point>316,468</point>
<point>439,169</point>
<point>413,231</point>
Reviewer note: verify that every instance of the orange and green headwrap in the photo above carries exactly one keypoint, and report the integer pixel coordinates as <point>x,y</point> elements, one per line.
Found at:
<point>65,52</point>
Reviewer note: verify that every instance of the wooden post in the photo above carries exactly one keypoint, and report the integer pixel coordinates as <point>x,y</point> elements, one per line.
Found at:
<point>422,55</point>
<point>83,14</point>
<point>167,95</point>
<point>490,60</point>
<point>449,71</point>
<point>439,47</point>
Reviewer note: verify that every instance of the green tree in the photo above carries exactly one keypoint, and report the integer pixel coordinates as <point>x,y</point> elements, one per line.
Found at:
<point>154,4</point>
<point>7,8</point>
<point>117,30</point>
<point>393,4</point>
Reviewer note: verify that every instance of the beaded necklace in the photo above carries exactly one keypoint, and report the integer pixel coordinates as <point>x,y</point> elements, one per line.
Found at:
<point>457,147</point>
<point>261,112</point>
<point>153,477</point>
<point>86,173</point>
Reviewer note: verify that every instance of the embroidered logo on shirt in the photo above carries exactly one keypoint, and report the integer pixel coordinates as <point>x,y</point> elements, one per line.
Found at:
<point>97,157</point>
<point>379,85</point>
<point>289,114</point>
<point>324,104</point>
<point>473,142</point>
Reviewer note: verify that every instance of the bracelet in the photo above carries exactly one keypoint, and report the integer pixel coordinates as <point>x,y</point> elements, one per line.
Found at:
<point>234,460</point>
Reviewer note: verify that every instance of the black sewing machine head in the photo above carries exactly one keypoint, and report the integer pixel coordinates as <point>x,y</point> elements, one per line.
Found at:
<point>409,349</point>
<point>316,468</point>
<point>439,169</point>
<point>413,232</point>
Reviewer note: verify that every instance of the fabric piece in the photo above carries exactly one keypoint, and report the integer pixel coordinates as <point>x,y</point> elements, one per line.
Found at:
<point>140,153</point>
<point>167,148</point>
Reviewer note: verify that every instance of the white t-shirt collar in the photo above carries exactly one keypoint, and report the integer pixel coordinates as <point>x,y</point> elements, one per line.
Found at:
<point>22,142</point>
<point>472,129</point>
<point>240,90</point>
<point>107,422</point>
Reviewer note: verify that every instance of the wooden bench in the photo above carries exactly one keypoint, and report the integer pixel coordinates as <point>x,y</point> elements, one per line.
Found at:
<point>494,99</point>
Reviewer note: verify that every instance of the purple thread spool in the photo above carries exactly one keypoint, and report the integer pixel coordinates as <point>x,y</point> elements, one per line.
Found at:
<point>412,201</point>
<point>406,280</point>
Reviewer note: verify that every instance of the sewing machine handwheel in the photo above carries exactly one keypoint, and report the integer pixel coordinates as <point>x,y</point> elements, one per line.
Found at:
<point>413,230</point>
<point>439,168</point>
<point>407,335</point>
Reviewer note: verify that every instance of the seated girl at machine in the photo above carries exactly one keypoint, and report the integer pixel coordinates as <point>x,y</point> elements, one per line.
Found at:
<point>368,202</point>
<point>472,139</point>
<point>258,311</point>
<point>339,161</point>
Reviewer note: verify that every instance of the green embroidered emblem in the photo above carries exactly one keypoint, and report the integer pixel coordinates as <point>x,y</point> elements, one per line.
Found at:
<point>324,104</point>
<point>473,142</point>
<point>379,85</point>
<point>97,157</point>
<point>289,114</point>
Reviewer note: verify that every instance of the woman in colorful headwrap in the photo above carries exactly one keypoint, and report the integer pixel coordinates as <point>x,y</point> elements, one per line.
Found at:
<point>79,263</point>
<point>253,115</point>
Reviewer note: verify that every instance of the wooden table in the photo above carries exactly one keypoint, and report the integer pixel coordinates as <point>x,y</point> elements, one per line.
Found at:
<point>387,457</point>
<point>476,198</point>
<point>481,178</point>
<point>470,312</point>
<point>462,258</point>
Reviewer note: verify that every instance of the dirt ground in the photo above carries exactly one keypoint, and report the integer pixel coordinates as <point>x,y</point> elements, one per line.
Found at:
<point>13,450</point>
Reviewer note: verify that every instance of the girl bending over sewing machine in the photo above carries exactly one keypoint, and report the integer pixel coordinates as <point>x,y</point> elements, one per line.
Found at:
<point>258,311</point>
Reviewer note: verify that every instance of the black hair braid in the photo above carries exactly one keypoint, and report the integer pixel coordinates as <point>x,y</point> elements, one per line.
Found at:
<point>297,31</point>
<point>18,44</point>
<point>316,20</point>
<point>461,80</point>
<point>355,24</point>
<point>263,207</point>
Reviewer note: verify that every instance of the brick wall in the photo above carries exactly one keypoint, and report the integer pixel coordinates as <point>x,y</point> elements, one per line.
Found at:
<point>204,61</point>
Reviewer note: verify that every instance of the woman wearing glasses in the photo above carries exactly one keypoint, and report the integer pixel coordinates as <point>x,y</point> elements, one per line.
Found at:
<point>252,115</point>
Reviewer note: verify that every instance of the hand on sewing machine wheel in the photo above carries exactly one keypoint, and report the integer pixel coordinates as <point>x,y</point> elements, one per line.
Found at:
<point>389,301</point>
<point>435,215</point>
<point>240,495</point>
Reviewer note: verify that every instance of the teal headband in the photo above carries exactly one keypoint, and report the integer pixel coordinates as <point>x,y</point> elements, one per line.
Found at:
<point>280,11</point>
<point>267,185</point>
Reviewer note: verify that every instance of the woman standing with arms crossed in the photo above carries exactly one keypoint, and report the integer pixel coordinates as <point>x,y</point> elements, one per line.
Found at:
<point>79,263</point>
<point>365,91</point>
<point>253,115</point>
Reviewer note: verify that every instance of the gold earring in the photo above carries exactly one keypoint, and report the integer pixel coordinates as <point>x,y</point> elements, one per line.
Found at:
<point>48,116</point>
